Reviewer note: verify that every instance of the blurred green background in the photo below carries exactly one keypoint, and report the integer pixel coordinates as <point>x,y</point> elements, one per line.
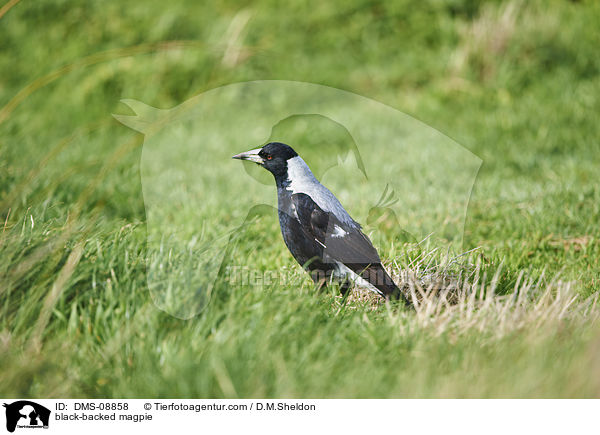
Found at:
<point>515,82</point>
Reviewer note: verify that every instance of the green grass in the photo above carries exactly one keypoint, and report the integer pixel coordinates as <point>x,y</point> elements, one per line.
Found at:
<point>515,83</point>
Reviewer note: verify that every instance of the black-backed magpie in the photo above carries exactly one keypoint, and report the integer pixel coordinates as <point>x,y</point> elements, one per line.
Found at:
<point>317,230</point>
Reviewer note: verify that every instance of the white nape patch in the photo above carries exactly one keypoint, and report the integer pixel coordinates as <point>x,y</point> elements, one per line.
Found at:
<point>342,271</point>
<point>338,232</point>
<point>300,175</point>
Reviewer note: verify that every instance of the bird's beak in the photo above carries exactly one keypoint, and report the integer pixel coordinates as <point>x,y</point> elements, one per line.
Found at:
<point>251,155</point>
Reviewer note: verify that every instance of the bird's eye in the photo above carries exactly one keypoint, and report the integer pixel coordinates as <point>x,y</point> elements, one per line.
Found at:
<point>269,157</point>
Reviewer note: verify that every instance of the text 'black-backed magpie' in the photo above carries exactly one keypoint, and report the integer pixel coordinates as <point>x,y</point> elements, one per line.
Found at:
<point>317,230</point>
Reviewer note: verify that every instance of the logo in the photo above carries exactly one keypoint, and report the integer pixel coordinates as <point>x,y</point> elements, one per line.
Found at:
<point>26,414</point>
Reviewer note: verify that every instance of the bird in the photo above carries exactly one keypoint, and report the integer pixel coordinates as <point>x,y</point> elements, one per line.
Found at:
<point>318,231</point>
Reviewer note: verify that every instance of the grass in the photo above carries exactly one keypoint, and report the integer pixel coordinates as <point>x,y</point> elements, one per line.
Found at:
<point>515,83</point>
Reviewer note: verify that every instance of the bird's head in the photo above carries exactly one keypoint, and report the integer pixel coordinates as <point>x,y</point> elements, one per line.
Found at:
<point>273,157</point>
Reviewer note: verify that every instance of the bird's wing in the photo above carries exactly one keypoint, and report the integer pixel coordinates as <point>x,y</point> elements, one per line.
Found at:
<point>345,244</point>
<point>342,242</point>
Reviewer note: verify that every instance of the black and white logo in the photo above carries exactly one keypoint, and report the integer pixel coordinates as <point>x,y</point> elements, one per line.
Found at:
<point>25,414</point>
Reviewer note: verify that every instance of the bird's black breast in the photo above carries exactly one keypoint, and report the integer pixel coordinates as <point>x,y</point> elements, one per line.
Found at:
<point>303,247</point>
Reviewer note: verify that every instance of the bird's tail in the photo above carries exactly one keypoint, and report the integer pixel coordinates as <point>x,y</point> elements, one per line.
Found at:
<point>376,275</point>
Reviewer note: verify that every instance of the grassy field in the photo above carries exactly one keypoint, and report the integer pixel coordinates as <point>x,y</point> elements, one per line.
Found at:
<point>515,83</point>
